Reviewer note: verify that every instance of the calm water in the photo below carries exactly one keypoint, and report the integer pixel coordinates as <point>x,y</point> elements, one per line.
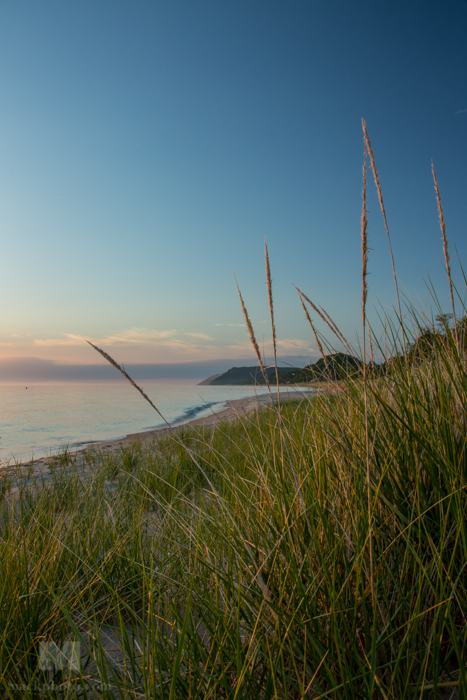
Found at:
<point>47,417</point>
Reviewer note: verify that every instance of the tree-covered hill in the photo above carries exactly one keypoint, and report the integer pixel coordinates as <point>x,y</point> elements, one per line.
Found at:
<point>336,366</point>
<point>245,376</point>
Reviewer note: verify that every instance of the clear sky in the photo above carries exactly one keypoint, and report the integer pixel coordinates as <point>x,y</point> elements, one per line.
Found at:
<point>148,147</point>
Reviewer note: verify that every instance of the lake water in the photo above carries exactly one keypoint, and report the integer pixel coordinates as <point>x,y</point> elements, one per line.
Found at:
<point>44,418</point>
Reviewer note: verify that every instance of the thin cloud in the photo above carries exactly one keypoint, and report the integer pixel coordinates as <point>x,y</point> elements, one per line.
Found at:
<point>138,335</point>
<point>132,337</point>
<point>460,111</point>
<point>286,346</point>
<point>290,344</point>
<point>140,345</point>
<point>236,325</point>
<point>68,339</point>
<point>201,336</point>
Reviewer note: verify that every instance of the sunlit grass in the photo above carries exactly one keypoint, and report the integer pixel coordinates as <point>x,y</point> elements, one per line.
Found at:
<point>252,589</point>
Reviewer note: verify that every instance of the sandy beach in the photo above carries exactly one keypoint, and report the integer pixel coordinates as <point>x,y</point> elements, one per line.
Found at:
<point>235,409</point>
<point>39,469</point>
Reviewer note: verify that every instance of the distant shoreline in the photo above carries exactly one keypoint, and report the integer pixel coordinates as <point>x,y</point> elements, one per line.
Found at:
<point>235,408</point>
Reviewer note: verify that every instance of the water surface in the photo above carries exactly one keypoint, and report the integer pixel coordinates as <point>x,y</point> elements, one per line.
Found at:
<point>44,418</point>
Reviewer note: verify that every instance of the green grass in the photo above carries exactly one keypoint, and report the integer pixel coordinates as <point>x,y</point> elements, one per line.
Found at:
<point>247,574</point>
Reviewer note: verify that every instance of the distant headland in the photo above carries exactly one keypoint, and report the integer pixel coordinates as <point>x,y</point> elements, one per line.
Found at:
<point>334,367</point>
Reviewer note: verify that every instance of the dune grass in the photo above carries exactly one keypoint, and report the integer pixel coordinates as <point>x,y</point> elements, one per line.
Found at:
<point>228,582</point>
<point>313,549</point>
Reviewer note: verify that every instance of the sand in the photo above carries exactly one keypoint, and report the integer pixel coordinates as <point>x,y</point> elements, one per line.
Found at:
<point>38,469</point>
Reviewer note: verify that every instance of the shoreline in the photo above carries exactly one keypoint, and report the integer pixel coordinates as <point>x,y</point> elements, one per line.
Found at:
<point>234,408</point>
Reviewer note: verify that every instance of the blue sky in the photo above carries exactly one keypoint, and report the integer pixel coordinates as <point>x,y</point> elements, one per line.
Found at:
<point>147,148</point>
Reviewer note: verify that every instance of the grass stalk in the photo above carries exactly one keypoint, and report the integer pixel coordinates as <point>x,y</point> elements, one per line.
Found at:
<point>271,312</point>
<point>312,326</point>
<point>327,320</point>
<point>447,257</point>
<point>251,333</point>
<point>191,454</point>
<point>383,211</point>
<point>364,236</point>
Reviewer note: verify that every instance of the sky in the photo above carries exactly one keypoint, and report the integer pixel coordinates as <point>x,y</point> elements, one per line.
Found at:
<point>148,148</point>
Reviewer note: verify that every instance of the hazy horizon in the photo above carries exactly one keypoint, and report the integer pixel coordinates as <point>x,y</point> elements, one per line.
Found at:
<point>34,370</point>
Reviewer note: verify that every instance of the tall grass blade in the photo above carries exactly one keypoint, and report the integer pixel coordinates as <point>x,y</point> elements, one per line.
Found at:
<point>364,236</point>
<point>271,312</point>
<point>447,257</point>
<point>383,211</point>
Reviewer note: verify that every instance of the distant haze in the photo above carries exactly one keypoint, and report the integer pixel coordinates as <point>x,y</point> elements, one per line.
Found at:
<point>38,370</point>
